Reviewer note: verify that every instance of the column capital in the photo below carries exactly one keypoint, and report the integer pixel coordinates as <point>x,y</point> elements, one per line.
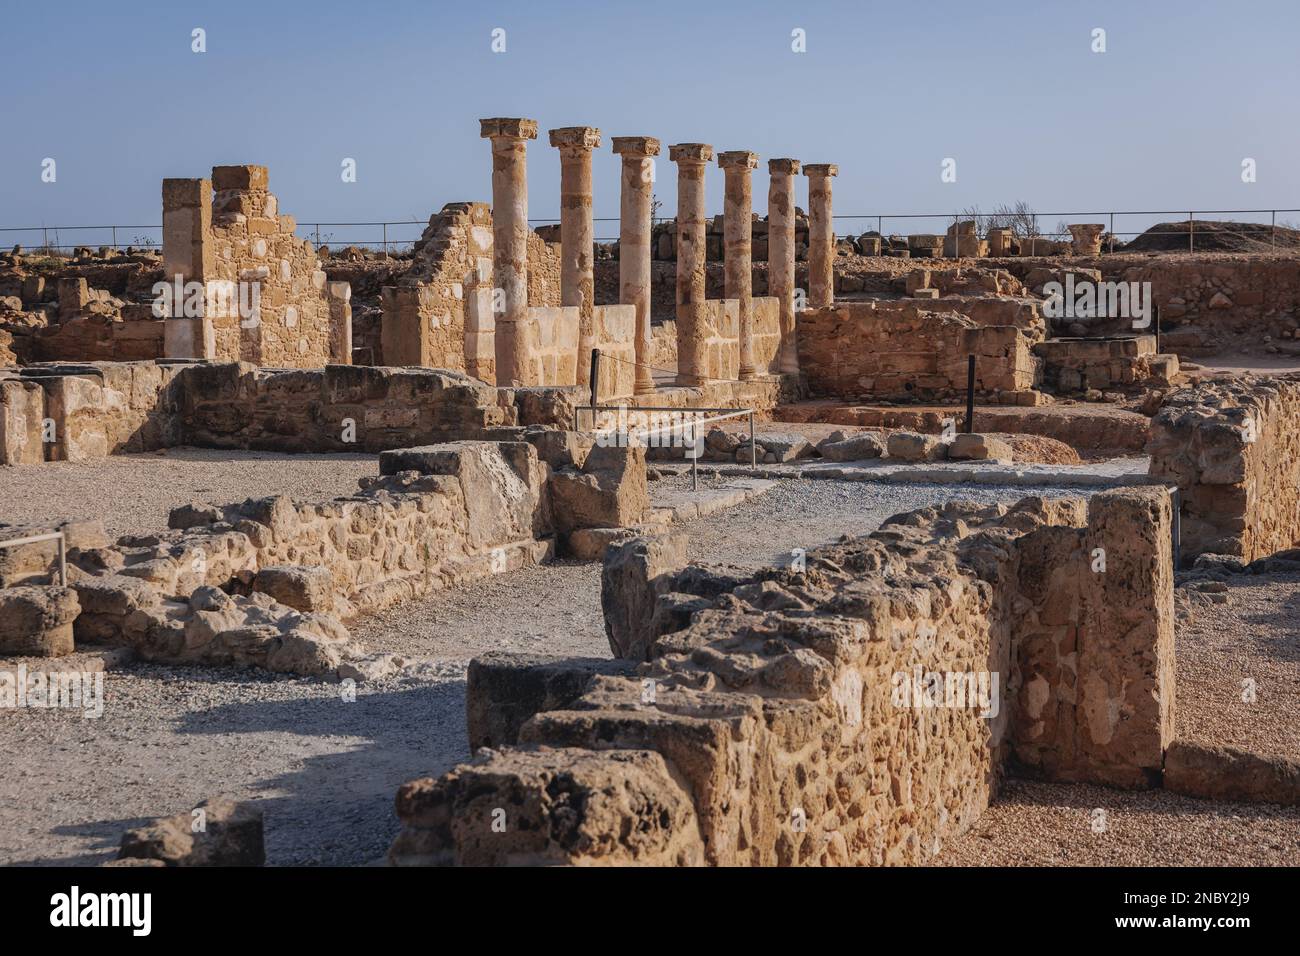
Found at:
<point>783,166</point>
<point>507,128</point>
<point>635,146</point>
<point>579,137</point>
<point>738,159</point>
<point>821,169</point>
<point>690,153</point>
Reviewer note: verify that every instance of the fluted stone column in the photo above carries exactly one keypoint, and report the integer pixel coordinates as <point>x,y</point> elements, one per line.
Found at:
<point>691,158</point>
<point>634,254</point>
<point>781,255</point>
<point>510,138</point>
<point>737,238</point>
<point>577,237</point>
<point>821,235</point>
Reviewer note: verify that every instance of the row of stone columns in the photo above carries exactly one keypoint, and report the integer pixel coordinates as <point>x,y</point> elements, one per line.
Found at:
<point>577,236</point>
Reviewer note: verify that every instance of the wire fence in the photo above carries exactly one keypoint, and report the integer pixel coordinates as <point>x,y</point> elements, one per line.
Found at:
<point>396,236</point>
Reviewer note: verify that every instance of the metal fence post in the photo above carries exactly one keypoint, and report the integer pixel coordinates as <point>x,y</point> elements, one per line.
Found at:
<point>1191,231</point>
<point>753,449</point>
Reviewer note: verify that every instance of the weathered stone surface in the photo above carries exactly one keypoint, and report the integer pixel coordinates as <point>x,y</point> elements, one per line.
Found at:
<point>36,621</point>
<point>856,448</point>
<point>1233,449</point>
<point>634,576</point>
<point>564,806</point>
<point>910,446</point>
<point>504,690</point>
<point>609,492</point>
<point>1230,773</point>
<point>220,832</point>
<point>973,447</point>
<point>301,588</point>
<point>793,706</point>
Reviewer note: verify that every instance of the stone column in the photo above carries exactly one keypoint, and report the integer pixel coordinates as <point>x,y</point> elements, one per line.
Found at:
<point>188,256</point>
<point>634,269</point>
<point>691,159</point>
<point>821,235</point>
<point>781,255</point>
<point>510,242</point>
<point>577,236</point>
<point>738,259</point>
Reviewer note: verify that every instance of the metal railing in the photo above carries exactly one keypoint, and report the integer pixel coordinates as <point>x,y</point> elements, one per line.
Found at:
<point>692,425</point>
<point>58,536</point>
<point>379,237</point>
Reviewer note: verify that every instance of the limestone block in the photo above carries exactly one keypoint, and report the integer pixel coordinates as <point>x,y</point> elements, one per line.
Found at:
<point>301,588</point>
<point>504,690</point>
<point>22,411</point>
<point>855,448</point>
<point>633,577</point>
<point>562,806</point>
<point>231,835</point>
<point>36,621</point>
<point>910,446</point>
<point>971,447</point>
<point>1230,773</point>
<point>609,492</point>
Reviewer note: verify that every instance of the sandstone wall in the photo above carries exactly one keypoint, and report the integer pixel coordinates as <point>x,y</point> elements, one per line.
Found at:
<point>230,231</point>
<point>882,350</point>
<point>1233,450</point>
<point>338,408</point>
<point>92,410</point>
<point>440,313</point>
<point>224,585</point>
<point>808,716</point>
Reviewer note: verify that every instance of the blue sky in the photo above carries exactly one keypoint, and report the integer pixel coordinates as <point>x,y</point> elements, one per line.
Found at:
<point>1012,91</point>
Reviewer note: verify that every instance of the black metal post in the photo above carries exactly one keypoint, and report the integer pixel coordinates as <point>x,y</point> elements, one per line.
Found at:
<point>595,374</point>
<point>970,395</point>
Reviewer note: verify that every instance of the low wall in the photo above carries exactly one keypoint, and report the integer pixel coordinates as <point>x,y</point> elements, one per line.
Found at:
<point>873,350</point>
<point>63,412</point>
<point>338,408</point>
<point>809,716</point>
<point>1233,450</point>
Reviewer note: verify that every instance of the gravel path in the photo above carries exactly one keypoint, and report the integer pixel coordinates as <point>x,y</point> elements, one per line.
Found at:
<point>1254,636</point>
<point>1046,824</point>
<point>134,493</point>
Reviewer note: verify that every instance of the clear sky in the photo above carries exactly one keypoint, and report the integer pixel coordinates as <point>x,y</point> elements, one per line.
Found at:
<point>888,90</point>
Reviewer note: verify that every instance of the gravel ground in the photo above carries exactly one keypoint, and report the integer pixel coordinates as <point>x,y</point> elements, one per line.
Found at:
<point>134,493</point>
<point>1046,824</point>
<point>805,513</point>
<point>1254,636</point>
<point>323,769</point>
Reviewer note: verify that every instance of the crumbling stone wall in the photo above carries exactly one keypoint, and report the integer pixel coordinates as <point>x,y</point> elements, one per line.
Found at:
<point>889,350</point>
<point>440,313</point>
<point>266,582</point>
<point>1233,450</point>
<point>228,231</point>
<point>792,718</point>
<point>356,408</point>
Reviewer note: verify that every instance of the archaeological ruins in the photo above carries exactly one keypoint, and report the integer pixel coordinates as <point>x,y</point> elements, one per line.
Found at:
<point>626,432</point>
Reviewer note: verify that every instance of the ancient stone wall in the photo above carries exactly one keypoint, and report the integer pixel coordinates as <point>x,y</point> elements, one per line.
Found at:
<point>339,408</point>
<point>856,711</point>
<point>230,235</point>
<point>440,313</point>
<point>1233,450</point>
<point>61,412</point>
<point>224,584</point>
<point>877,350</point>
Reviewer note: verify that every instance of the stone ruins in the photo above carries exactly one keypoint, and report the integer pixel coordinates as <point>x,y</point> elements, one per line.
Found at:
<point>863,703</point>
